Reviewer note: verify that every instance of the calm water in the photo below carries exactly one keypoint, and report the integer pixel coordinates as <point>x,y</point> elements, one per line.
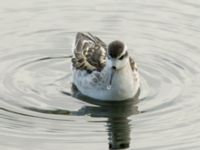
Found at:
<point>35,111</point>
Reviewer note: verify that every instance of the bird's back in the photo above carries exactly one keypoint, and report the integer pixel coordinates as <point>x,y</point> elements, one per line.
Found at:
<point>89,52</point>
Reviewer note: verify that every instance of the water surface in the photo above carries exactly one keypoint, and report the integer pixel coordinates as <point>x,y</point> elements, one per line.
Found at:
<point>36,37</point>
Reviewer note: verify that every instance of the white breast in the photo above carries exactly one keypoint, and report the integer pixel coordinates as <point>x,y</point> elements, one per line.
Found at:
<point>125,84</point>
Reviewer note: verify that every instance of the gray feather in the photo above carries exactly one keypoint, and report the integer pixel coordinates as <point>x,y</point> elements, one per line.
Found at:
<point>90,52</point>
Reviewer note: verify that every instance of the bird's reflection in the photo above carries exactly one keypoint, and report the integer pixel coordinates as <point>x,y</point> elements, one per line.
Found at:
<point>118,133</point>
<point>117,114</point>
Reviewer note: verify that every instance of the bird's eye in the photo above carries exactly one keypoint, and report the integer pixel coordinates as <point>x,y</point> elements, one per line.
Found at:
<point>125,55</point>
<point>120,58</point>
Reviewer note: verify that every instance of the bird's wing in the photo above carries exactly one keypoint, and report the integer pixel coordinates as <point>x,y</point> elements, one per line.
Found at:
<point>89,52</point>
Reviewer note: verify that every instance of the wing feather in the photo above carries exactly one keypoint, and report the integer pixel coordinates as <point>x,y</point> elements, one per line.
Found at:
<point>89,52</point>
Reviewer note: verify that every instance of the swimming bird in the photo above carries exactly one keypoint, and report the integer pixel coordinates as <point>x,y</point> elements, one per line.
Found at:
<point>103,72</point>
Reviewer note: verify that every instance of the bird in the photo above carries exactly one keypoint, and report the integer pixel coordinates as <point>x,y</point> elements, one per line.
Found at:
<point>103,72</point>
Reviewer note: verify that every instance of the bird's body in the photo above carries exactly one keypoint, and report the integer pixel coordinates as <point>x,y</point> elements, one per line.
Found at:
<point>103,73</point>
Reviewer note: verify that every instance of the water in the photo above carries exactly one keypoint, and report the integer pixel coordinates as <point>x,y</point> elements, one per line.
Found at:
<point>37,114</point>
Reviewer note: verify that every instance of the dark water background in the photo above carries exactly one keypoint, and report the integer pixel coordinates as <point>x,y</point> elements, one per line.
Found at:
<point>35,39</point>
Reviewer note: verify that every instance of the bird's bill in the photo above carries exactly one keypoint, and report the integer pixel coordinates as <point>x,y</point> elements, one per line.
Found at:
<point>111,76</point>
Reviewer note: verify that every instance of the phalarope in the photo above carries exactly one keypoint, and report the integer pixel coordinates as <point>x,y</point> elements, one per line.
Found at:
<point>103,72</point>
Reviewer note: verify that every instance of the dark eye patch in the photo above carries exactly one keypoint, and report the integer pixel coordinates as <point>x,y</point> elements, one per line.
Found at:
<point>120,58</point>
<point>123,56</point>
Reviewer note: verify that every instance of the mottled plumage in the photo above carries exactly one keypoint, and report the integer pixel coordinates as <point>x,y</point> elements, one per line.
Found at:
<point>89,53</point>
<point>103,72</point>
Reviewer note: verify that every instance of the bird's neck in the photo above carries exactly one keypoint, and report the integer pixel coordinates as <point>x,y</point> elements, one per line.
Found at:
<point>123,75</point>
<point>122,83</point>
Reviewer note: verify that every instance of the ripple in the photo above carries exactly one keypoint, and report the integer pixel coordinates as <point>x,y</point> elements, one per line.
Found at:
<point>34,101</point>
<point>36,112</point>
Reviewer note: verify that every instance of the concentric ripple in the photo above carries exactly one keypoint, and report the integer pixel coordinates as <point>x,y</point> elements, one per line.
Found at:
<point>34,100</point>
<point>35,49</point>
